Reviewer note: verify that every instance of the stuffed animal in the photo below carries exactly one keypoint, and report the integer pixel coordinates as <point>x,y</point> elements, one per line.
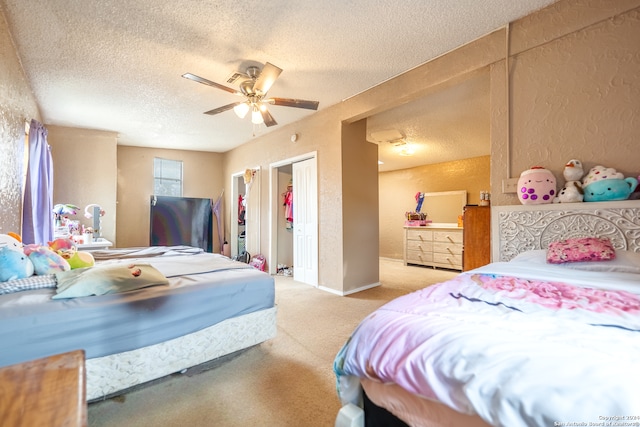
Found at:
<point>636,194</point>
<point>536,186</point>
<point>81,259</point>
<point>46,261</point>
<point>67,249</point>
<point>14,264</point>
<point>604,184</point>
<point>64,247</point>
<point>11,242</point>
<point>572,191</point>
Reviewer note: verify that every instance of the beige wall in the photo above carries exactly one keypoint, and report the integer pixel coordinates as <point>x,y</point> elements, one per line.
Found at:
<point>398,190</point>
<point>360,215</point>
<point>85,172</point>
<point>17,105</point>
<point>321,132</point>
<point>202,177</point>
<point>573,91</point>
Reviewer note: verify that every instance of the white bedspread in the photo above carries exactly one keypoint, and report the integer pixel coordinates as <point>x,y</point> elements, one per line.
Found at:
<point>517,346</point>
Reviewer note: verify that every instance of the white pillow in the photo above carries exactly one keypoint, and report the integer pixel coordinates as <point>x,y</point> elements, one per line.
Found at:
<point>106,279</point>
<point>624,262</point>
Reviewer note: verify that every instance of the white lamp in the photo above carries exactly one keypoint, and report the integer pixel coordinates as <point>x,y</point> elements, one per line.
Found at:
<point>241,110</point>
<point>256,116</point>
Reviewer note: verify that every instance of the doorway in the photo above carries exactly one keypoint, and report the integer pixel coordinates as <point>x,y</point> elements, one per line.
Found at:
<point>294,243</point>
<point>245,212</point>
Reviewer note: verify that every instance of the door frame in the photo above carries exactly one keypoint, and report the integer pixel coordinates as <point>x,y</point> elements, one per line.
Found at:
<point>233,225</point>
<point>274,203</point>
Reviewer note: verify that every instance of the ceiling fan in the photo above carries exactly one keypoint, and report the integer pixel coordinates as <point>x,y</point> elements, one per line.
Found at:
<point>254,85</point>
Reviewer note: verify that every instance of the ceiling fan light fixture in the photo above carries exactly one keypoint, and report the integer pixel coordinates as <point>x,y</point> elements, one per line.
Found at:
<point>241,110</point>
<point>256,116</point>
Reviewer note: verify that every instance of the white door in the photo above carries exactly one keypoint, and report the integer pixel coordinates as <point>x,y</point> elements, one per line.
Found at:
<point>305,222</point>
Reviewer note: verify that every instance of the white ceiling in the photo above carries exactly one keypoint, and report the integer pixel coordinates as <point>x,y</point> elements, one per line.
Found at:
<point>116,65</point>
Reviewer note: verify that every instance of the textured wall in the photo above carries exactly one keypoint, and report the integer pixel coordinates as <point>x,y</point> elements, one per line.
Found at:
<point>86,172</point>
<point>576,95</point>
<point>398,190</point>
<point>359,207</point>
<point>202,177</point>
<point>17,105</point>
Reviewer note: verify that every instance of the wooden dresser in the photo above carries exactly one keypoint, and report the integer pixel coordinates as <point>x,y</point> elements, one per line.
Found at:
<point>436,245</point>
<point>476,249</point>
<point>44,392</point>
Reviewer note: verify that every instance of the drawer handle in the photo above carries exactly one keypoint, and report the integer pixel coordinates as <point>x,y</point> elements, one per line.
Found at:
<point>450,239</point>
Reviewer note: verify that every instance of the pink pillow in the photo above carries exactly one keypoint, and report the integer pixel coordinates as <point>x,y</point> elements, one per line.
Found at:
<point>580,249</point>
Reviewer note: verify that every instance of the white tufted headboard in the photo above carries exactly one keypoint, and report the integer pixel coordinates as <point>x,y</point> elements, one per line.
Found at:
<point>520,228</point>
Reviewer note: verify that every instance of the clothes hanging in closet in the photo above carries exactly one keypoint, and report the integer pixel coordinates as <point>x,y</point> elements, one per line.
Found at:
<point>288,205</point>
<point>241,209</point>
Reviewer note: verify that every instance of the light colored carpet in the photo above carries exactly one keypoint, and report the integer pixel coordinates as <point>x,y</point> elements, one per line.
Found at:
<point>287,381</point>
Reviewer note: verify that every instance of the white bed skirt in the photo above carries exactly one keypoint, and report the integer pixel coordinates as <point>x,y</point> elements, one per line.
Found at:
<point>110,374</point>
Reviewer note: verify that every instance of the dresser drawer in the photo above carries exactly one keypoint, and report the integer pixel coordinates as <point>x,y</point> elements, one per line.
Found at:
<point>417,245</point>
<point>448,260</point>
<point>433,246</point>
<point>447,248</point>
<point>420,235</point>
<point>417,257</point>
<point>453,236</point>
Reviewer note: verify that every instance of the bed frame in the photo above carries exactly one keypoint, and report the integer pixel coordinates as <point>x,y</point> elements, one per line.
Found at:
<point>519,228</point>
<point>110,375</point>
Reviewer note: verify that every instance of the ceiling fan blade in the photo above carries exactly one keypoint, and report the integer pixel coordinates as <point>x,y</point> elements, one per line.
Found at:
<point>209,83</point>
<point>297,103</point>
<point>267,77</point>
<point>222,109</point>
<point>268,118</point>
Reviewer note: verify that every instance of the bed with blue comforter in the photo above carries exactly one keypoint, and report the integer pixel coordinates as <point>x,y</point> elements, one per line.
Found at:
<point>135,329</point>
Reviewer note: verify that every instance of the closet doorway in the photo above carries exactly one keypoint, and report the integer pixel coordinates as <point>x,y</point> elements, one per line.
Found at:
<point>294,244</point>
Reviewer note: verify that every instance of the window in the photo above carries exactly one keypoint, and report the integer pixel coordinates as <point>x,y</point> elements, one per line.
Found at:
<point>167,177</point>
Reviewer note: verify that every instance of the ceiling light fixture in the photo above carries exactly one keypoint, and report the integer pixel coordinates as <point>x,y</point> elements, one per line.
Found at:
<point>241,110</point>
<point>404,148</point>
<point>256,116</point>
<point>407,150</point>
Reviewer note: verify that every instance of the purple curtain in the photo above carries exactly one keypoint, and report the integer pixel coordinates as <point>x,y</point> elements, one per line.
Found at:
<point>37,211</point>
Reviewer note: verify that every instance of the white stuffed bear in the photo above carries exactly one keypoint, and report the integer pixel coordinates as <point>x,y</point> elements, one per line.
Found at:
<point>572,191</point>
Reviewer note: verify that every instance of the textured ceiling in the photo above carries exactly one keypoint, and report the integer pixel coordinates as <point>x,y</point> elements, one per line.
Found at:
<point>117,65</point>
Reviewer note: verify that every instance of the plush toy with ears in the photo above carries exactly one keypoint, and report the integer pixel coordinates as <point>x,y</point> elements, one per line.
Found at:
<point>14,264</point>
